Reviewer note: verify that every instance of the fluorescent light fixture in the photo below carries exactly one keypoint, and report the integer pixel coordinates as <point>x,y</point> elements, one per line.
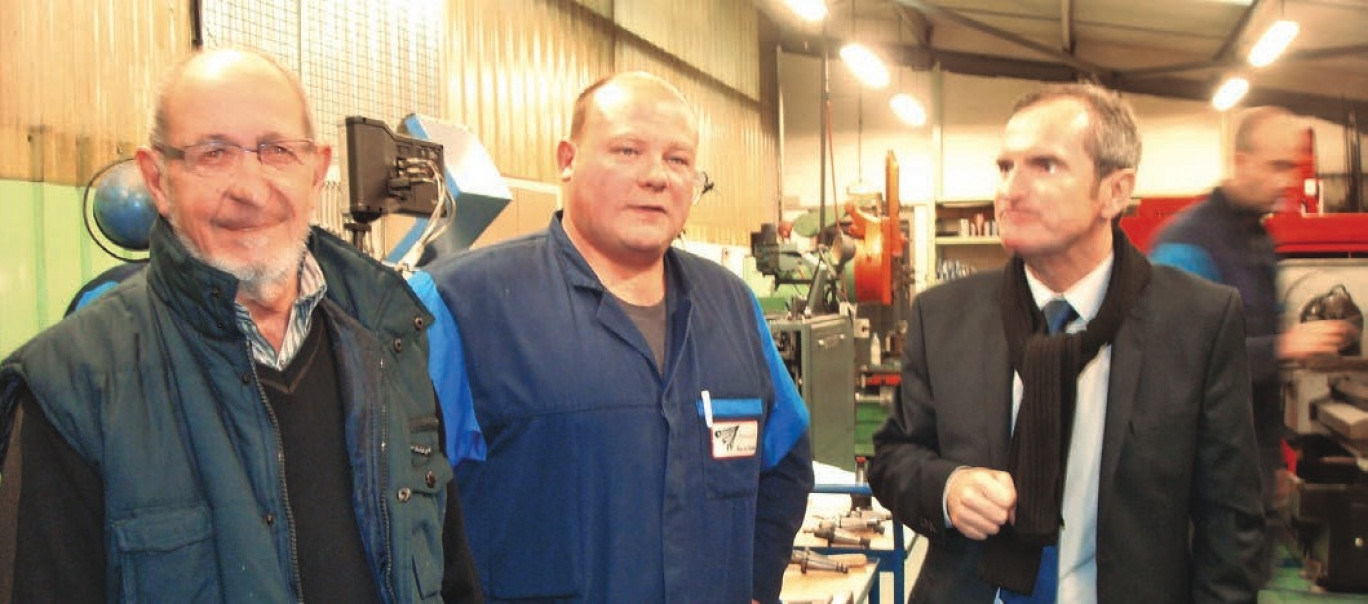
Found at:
<point>809,10</point>
<point>1273,42</point>
<point>866,65</point>
<point>1230,93</point>
<point>908,109</point>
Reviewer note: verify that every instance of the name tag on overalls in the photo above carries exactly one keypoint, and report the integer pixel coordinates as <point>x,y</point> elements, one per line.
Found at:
<point>732,439</point>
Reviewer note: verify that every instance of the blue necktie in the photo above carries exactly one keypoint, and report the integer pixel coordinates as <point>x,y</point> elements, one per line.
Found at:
<point>1058,314</point>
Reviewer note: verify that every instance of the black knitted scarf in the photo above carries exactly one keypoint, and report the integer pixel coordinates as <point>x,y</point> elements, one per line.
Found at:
<point>1049,367</point>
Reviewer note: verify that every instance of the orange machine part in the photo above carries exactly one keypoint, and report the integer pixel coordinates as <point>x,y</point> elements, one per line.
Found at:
<point>879,241</point>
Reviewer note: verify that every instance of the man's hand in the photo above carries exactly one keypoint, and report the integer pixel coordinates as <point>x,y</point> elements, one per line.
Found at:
<point>1316,338</point>
<point>979,501</point>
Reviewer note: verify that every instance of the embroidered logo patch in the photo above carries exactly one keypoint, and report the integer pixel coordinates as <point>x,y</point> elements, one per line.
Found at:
<point>735,438</point>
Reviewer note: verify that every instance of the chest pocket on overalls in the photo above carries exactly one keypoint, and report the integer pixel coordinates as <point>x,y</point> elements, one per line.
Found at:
<point>731,445</point>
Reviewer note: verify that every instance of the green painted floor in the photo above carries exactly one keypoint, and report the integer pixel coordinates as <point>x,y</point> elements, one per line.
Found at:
<point>1289,586</point>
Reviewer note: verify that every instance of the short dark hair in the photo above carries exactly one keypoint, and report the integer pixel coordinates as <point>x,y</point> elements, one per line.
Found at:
<point>1112,140</point>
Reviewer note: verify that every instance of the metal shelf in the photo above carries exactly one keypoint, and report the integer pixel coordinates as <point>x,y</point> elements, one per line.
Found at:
<point>957,240</point>
<point>963,203</point>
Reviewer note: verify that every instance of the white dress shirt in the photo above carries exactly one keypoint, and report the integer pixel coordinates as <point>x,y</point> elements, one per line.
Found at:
<point>1078,535</point>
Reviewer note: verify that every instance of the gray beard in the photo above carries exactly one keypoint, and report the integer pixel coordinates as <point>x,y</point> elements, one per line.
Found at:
<point>259,281</point>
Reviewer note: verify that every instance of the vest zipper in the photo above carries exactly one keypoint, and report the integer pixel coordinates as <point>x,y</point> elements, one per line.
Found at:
<point>280,467</point>
<point>384,485</point>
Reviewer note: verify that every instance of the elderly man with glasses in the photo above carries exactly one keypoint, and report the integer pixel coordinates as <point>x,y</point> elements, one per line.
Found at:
<point>250,418</point>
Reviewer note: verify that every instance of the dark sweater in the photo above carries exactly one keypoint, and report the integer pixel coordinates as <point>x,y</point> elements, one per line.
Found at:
<point>1227,244</point>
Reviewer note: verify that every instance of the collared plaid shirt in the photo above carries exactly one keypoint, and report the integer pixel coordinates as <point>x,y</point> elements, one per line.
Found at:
<point>312,286</point>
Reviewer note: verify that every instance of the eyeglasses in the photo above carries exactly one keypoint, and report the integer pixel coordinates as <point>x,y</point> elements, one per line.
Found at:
<point>702,184</point>
<point>218,158</point>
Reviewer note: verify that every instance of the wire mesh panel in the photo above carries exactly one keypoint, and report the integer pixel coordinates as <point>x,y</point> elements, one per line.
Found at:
<point>378,58</point>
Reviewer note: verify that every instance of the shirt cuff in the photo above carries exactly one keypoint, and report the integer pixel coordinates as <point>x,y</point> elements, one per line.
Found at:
<point>945,495</point>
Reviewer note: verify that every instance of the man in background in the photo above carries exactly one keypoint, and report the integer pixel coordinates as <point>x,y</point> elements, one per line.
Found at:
<point>249,418</point>
<point>645,442</point>
<point>1222,238</point>
<point>1075,427</point>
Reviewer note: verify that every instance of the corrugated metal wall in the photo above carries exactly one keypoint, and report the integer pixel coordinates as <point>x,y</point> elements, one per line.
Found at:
<point>517,65</point>
<point>78,80</point>
<point>79,77</point>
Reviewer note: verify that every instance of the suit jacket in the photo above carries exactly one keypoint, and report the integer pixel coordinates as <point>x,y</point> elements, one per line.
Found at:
<point>1179,517</point>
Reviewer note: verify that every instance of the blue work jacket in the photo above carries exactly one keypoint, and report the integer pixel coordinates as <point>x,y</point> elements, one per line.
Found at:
<point>603,480</point>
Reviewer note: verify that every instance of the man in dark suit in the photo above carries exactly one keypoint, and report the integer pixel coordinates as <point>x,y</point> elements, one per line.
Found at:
<point>1100,449</point>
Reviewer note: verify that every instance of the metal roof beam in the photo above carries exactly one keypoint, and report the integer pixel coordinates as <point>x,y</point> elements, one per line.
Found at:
<point>1066,26</point>
<point>1236,33</point>
<point>921,27</point>
<point>949,15</point>
<point>922,58</point>
<point>1331,109</point>
<point>1300,55</point>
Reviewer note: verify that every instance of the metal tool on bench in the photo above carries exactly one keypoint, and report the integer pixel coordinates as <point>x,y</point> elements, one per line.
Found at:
<point>879,515</point>
<point>858,524</point>
<point>807,559</point>
<point>835,536</point>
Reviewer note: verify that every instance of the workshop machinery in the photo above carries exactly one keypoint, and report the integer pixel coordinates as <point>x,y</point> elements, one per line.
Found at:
<point>1327,407</point>
<point>1323,274</point>
<point>842,339</point>
<point>433,170</point>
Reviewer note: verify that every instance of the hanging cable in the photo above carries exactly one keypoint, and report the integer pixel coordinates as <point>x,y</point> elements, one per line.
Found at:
<point>443,216</point>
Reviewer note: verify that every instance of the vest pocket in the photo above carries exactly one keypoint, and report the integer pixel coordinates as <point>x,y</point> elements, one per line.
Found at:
<point>167,556</point>
<point>429,477</point>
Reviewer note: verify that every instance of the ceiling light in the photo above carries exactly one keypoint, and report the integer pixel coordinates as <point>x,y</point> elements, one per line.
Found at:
<point>908,109</point>
<point>1273,42</point>
<point>866,65</point>
<point>809,10</point>
<point>1230,93</point>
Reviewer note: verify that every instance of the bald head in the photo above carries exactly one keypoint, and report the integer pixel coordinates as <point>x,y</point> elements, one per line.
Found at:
<point>1268,147</point>
<point>1259,121</point>
<point>224,64</point>
<point>636,86</point>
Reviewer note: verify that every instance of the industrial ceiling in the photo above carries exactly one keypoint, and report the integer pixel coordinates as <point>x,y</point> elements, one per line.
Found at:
<point>1172,48</point>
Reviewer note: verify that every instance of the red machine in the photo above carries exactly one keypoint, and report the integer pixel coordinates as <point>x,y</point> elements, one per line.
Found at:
<point>1298,228</point>
<point>1150,215</point>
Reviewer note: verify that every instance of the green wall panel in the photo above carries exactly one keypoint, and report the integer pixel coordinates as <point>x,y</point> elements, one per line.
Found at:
<point>19,280</point>
<point>48,257</point>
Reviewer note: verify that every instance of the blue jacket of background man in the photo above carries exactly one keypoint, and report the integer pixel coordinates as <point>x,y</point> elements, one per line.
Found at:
<point>1227,244</point>
<point>154,386</point>
<point>600,482</point>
